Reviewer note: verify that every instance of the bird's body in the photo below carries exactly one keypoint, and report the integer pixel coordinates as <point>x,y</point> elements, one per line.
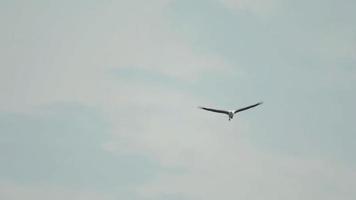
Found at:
<point>230,113</point>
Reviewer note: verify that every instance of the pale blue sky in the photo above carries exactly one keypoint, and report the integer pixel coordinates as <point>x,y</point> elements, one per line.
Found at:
<point>99,99</point>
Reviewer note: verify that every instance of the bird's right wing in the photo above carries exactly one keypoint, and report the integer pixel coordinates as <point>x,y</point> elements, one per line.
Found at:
<point>215,110</point>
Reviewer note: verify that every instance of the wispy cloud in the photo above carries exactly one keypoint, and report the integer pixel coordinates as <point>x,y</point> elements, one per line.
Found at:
<point>216,158</point>
<point>22,191</point>
<point>261,8</point>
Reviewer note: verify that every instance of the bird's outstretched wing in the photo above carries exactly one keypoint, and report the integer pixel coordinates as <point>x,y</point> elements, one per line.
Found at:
<point>215,110</point>
<point>248,107</point>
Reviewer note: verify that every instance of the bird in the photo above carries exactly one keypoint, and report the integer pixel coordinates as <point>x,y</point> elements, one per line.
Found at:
<point>230,113</point>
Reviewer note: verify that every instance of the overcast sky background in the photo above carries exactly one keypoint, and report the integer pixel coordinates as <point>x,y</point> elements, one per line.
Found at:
<point>98,99</point>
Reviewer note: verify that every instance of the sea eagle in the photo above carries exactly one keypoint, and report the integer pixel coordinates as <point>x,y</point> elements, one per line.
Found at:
<point>231,112</point>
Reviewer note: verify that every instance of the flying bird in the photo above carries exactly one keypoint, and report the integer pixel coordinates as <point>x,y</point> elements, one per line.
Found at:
<point>231,113</point>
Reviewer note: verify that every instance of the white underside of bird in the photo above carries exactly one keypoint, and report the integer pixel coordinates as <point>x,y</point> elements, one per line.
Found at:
<point>230,113</point>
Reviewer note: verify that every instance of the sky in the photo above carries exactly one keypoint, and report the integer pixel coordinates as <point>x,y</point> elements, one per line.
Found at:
<point>99,99</point>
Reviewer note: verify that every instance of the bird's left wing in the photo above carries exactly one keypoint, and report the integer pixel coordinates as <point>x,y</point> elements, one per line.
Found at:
<point>215,110</point>
<point>248,107</point>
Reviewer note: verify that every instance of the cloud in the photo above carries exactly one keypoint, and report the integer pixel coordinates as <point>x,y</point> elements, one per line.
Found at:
<point>258,177</point>
<point>62,146</point>
<point>33,192</point>
<point>66,57</point>
<point>258,7</point>
<point>214,158</point>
